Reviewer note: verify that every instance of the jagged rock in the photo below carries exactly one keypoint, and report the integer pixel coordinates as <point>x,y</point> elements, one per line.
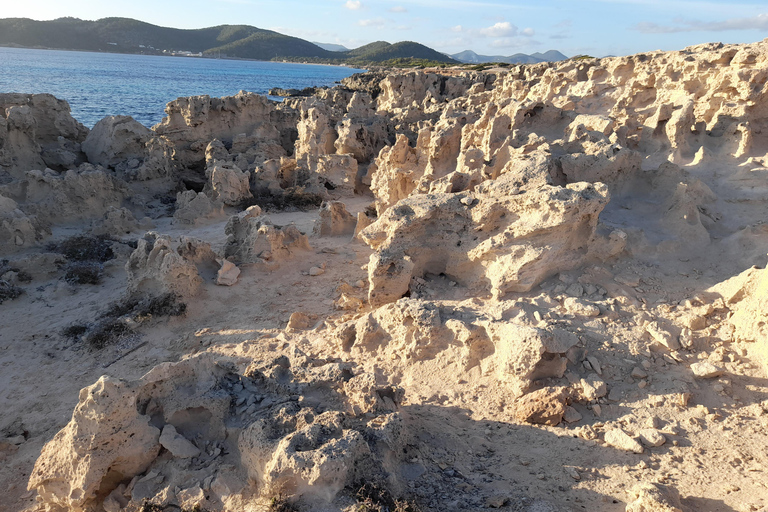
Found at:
<point>38,131</point>
<point>649,497</point>
<point>191,123</point>
<point>17,230</point>
<point>177,444</point>
<point>228,184</point>
<point>621,440</point>
<point>706,370</point>
<point>334,220</point>
<point>106,441</point>
<point>421,330</point>
<point>133,150</point>
<point>155,268</point>
<point>545,406</point>
<point>194,207</point>
<point>228,273</point>
<point>116,222</point>
<point>79,194</point>
<point>252,239</point>
<point>494,239</point>
<point>338,172</point>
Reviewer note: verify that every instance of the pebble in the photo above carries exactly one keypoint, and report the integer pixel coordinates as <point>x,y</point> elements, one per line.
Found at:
<point>595,364</point>
<point>639,373</point>
<point>621,440</point>
<point>573,473</point>
<point>316,271</point>
<point>706,370</point>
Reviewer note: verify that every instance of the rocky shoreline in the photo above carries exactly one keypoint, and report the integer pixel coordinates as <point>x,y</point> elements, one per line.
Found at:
<point>538,288</point>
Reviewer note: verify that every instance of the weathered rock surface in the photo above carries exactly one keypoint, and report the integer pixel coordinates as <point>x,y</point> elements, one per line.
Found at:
<point>155,268</point>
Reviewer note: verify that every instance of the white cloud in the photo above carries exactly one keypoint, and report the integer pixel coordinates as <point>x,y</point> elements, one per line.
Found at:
<point>398,8</point>
<point>457,28</point>
<point>759,22</point>
<point>375,22</point>
<point>354,5</point>
<point>501,29</point>
<point>528,32</point>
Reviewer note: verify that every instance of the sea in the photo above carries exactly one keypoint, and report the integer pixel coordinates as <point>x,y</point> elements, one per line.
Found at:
<point>97,85</point>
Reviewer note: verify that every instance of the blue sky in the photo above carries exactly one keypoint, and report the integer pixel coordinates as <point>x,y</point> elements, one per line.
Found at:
<point>490,27</point>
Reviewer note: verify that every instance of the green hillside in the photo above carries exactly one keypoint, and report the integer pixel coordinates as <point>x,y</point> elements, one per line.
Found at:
<point>125,35</point>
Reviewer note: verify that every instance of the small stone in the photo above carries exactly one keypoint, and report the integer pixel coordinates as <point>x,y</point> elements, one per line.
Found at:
<point>639,373</point>
<point>653,497</point>
<point>627,279</point>
<point>597,409</point>
<point>578,307</point>
<point>706,370</point>
<point>575,290</point>
<point>496,501</point>
<point>646,364</point>
<point>360,284</point>
<point>571,415</point>
<point>177,444</point>
<point>652,437</point>
<point>316,271</point>
<point>663,336</point>
<point>621,440</point>
<point>595,364</point>
<point>642,384</point>
<point>228,273</point>
<point>593,387</point>
<point>573,473</point>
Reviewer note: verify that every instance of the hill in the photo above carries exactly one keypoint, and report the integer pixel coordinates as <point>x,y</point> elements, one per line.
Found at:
<point>125,35</point>
<point>470,57</point>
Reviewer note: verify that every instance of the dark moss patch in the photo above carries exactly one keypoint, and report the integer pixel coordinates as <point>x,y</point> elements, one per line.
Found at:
<point>83,272</point>
<point>9,291</point>
<point>372,497</point>
<point>84,248</point>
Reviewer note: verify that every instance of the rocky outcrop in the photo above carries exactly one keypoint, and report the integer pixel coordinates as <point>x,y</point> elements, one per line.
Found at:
<point>334,220</point>
<point>85,193</point>
<point>253,239</point>
<point>128,147</point>
<point>203,408</point>
<point>196,207</point>
<point>245,120</point>
<point>499,238</point>
<point>155,268</point>
<point>17,230</point>
<point>37,131</point>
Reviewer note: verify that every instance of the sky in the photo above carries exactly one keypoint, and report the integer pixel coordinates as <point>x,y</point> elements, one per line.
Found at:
<point>488,27</point>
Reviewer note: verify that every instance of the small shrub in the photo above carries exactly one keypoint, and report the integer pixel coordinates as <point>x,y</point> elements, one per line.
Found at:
<point>85,248</point>
<point>9,291</point>
<point>371,497</point>
<point>74,331</point>
<point>84,272</point>
<point>280,504</point>
<point>105,333</point>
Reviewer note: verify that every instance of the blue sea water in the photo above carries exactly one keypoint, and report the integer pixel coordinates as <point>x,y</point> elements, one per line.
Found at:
<point>97,85</point>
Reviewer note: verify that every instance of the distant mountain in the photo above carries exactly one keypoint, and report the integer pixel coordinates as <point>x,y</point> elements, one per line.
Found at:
<point>470,57</point>
<point>331,47</point>
<point>125,35</point>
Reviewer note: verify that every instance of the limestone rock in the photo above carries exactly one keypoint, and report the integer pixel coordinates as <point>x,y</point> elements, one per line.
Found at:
<point>38,131</point>
<point>123,144</point>
<point>648,497</point>
<point>155,268</point>
<point>17,230</point>
<point>253,239</point>
<point>619,439</point>
<point>706,370</point>
<point>194,207</point>
<point>177,444</point>
<point>334,220</point>
<point>546,406</point>
<point>228,184</point>
<point>227,274</point>
<point>501,241</point>
<point>652,437</point>
<point>116,222</point>
<point>107,439</point>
